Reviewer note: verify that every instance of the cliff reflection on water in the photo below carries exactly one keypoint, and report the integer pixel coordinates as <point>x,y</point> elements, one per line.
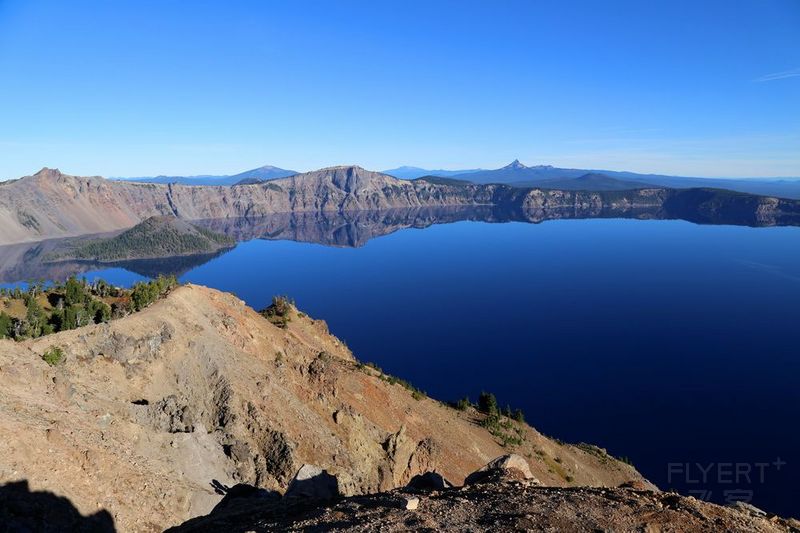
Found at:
<point>34,261</point>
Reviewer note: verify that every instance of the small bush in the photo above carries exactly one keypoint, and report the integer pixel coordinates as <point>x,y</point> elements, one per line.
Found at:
<point>278,312</point>
<point>463,404</point>
<point>53,355</point>
<point>597,451</point>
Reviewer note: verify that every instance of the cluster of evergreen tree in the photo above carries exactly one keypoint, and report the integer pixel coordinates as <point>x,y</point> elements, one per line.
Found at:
<point>6,324</point>
<point>145,293</point>
<point>75,303</point>
<point>487,404</point>
<point>498,421</point>
<point>155,237</point>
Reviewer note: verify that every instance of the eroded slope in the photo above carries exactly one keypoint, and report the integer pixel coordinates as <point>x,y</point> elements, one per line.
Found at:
<point>148,412</point>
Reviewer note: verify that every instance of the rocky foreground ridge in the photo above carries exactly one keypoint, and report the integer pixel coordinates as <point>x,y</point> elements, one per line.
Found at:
<point>504,498</point>
<point>50,204</point>
<point>150,416</point>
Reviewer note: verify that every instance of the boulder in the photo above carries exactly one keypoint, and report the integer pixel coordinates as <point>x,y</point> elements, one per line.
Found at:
<point>312,483</point>
<point>635,485</point>
<point>748,508</point>
<point>504,468</point>
<point>411,503</point>
<point>428,481</point>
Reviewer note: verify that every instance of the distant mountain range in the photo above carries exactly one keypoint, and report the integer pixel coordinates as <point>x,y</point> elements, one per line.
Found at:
<point>550,177</point>
<point>411,173</point>
<point>256,175</point>
<point>517,174</point>
<point>591,182</point>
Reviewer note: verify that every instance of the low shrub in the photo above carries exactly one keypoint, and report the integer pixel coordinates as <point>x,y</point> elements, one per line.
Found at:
<point>463,404</point>
<point>279,311</point>
<point>53,355</point>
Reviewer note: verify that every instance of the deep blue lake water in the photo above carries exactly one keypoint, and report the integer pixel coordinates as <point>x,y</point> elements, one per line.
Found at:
<point>674,344</point>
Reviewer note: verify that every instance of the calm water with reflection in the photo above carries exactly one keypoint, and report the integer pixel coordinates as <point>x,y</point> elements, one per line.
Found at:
<point>663,341</point>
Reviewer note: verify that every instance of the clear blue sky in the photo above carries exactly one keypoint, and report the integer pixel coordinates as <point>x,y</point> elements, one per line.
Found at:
<point>120,88</point>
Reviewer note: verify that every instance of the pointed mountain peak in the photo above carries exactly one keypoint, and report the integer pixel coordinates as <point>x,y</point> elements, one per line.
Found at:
<point>46,174</point>
<point>515,164</point>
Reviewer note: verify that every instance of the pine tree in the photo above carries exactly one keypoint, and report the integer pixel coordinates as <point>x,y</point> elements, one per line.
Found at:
<point>6,325</point>
<point>487,403</point>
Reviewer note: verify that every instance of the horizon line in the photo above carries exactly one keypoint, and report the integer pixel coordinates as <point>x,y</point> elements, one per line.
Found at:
<point>386,171</point>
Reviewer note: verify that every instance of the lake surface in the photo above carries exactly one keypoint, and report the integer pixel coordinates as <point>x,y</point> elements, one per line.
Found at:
<point>673,344</point>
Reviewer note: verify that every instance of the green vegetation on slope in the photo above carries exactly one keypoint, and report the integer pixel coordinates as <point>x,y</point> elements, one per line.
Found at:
<point>40,311</point>
<point>279,311</point>
<point>155,237</point>
<point>417,394</point>
<point>498,422</point>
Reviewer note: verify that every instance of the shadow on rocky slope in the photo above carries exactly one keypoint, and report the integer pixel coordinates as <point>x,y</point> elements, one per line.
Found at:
<point>23,510</point>
<point>501,496</point>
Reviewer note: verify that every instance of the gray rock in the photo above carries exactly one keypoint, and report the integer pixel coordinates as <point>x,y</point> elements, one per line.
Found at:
<point>505,467</point>
<point>748,508</point>
<point>411,503</point>
<point>278,455</point>
<point>313,483</point>
<point>169,414</point>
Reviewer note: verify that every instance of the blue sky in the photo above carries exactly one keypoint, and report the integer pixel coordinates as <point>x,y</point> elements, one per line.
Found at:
<point>707,88</point>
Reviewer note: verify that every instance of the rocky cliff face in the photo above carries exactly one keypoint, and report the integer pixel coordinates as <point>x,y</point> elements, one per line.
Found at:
<point>50,204</point>
<point>150,415</point>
